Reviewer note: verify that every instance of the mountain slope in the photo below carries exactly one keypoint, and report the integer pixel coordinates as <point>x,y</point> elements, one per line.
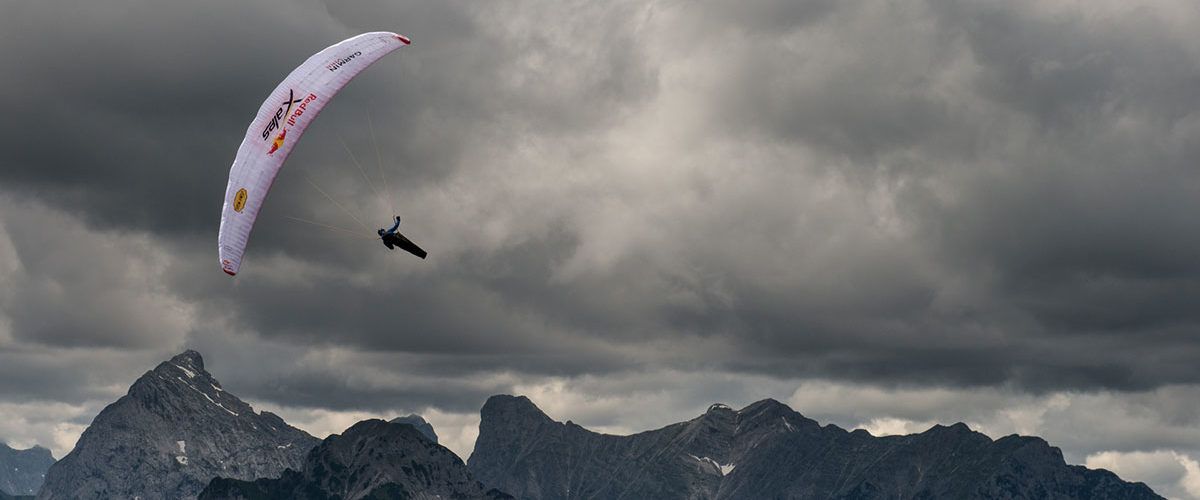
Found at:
<point>22,471</point>
<point>170,435</point>
<point>372,459</point>
<point>766,450</point>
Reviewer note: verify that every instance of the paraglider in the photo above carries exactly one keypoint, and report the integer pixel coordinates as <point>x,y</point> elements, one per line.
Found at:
<point>280,122</point>
<point>393,239</point>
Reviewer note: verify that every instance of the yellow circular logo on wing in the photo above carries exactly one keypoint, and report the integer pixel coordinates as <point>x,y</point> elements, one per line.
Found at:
<point>239,200</point>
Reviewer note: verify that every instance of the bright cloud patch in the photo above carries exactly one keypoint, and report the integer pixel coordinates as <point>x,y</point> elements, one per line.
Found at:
<point>1172,474</point>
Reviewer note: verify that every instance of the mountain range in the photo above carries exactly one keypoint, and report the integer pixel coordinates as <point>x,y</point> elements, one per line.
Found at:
<point>178,434</point>
<point>766,450</point>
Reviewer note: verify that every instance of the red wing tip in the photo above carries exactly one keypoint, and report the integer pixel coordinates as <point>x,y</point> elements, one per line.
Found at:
<point>231,273</point>
<point>403,38</point>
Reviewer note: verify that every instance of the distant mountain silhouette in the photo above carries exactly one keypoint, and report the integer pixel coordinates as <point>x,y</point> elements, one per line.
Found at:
<point>418,422</point>
<point>768,451</point>
<point>23,471</point>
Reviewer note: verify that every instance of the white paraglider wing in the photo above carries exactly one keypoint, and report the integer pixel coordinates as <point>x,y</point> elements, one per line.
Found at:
<point>279,123</point>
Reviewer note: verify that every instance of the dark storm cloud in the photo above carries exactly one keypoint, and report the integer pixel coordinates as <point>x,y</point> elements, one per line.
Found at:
<point>128,122</point>
<point>32,376</point>
<point>942,193</point>
<point>1085,225</point>
<point>56,294</point>
<point>1066,66</point>
<point>1038,151</point>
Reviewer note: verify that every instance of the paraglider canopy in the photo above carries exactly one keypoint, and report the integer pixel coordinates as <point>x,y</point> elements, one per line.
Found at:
<point>280,122</point>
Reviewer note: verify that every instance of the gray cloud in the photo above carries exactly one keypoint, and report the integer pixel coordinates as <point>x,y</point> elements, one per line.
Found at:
<point>944,194</point>
<point>867,178</point>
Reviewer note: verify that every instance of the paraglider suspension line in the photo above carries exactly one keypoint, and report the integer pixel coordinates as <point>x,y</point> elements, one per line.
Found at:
<point>344,232</point>
<point>339,205</point>
<point>379,158</point>
<point>364,175</point>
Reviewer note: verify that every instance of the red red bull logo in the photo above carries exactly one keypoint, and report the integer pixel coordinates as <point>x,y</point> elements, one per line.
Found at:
<point>278,142</point>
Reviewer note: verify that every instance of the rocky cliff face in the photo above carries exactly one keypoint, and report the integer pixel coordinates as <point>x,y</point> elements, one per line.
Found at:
<point>373,459</point>
<point>170,435</point>
<point>22,471</point>
<point>766,450</point>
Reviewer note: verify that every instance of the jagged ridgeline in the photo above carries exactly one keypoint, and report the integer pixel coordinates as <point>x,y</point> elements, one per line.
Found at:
<point>178,430</point>
<point>372,459</point>
<point>170,435</point>
<point>178,434</point>
<point>768,451</point>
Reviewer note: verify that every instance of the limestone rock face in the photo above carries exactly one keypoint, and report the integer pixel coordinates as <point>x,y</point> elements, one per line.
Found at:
<point>22,471</point>
<point>766,450</point>
<point>173,432</point>
<point>373,459</point>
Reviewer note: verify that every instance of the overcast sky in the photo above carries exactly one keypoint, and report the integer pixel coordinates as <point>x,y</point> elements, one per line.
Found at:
<point>884,214</point>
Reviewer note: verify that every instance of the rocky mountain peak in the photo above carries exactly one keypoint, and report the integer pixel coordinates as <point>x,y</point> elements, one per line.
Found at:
<point>960,432</point>
<point>188,360</point>
<point>718,415</point>
<point>719,408</point>
<point>768,407</point>
<point>170,435</point>
<point>182,386</point>
<point>516,407</point>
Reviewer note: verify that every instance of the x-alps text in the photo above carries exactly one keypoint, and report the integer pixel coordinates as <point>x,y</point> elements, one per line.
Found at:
<point>283,111</point>
<point>291,121</point>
